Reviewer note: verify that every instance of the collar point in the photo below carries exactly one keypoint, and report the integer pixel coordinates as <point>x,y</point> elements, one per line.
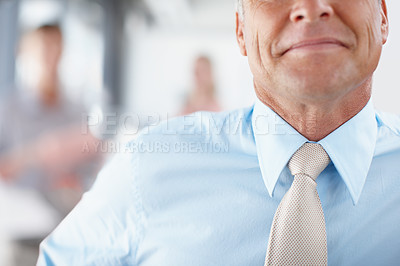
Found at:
<point>355,198</point>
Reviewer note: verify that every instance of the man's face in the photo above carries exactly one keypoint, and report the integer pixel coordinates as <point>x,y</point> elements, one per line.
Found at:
<point>312,49</point>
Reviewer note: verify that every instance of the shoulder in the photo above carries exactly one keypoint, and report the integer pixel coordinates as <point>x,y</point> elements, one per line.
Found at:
<point>9,100</point>
<point>187,134</point>
<point>389,121</point>
<point>165,161</point>
<point>197,141</point>
<point>192,138</point>
<point>388,132</point>
<point>168,159</point>
<point>200,124</point>
<point>11,103</point>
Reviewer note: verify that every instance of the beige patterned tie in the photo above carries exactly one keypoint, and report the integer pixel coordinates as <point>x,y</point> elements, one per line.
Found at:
<point>298,235</point>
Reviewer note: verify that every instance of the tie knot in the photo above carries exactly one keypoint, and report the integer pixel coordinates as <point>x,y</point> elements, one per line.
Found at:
<point>310,159</point>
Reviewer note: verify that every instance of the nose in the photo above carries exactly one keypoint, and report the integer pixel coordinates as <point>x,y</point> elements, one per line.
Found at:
<point>311,10</point>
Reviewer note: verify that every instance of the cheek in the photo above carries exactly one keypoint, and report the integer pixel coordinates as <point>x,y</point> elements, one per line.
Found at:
<point>258,53</point>
<point>364,19</point>
<point>253,46</point>
<point>374,32</point>
<point>369,43</point>
<point>260,38</point>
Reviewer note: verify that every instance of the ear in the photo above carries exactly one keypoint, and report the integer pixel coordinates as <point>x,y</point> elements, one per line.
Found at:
<point>384,22</point>
<point>240,35</point>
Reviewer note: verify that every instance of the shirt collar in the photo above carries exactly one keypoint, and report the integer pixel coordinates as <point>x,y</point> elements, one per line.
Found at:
<point>350,147</point>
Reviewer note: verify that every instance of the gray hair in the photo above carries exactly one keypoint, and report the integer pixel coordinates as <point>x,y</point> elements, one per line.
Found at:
<point>240,10</point>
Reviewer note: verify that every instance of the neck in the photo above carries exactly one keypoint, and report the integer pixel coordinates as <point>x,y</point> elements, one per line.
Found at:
<point>203,93</point>
<point>49,91</point>
<point>317,119</point>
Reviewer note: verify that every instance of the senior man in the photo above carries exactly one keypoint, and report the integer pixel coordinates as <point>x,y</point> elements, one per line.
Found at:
<point>249,194</point>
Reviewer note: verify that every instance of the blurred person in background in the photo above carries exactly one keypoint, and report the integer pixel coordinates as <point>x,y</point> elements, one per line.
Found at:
<point>44,146</point>
<point>191,202</point>
<point>202,97</point>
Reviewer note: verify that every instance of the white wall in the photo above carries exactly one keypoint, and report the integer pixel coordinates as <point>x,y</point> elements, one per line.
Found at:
<point>160,61</point>
<point>163,69</point>
<point>386,94</point>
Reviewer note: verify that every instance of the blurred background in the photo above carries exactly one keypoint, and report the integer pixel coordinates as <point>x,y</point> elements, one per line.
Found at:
<point>73,71</point>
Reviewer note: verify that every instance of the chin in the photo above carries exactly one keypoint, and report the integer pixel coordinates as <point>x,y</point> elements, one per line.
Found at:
<point>316,87</point>
<point>326,64</point>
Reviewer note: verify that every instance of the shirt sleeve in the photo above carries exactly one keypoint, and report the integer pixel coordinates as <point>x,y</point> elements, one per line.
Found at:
<point>104,228</point>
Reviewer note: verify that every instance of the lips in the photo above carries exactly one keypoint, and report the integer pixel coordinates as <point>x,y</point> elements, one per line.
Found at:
<point>314,43</point>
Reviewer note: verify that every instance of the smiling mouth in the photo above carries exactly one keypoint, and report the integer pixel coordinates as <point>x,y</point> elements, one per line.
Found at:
<point>313,45</point>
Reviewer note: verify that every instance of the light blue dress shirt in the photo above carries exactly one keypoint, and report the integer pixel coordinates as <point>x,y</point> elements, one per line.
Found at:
<point>203,190</point>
